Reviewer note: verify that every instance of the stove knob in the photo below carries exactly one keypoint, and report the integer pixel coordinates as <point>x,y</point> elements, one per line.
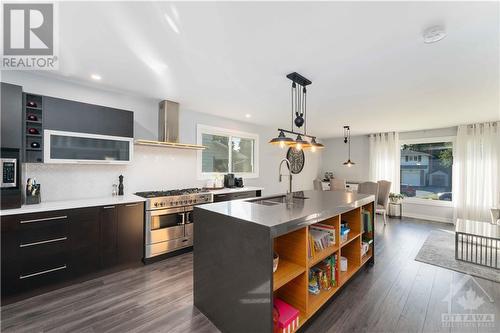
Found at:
<point>156,204</point>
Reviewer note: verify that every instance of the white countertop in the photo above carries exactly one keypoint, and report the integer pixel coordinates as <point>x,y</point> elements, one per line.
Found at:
<point>236,190</point>
<point>69,204</point>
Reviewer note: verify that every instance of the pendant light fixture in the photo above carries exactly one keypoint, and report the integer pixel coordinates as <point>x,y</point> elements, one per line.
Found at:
<point>282,140</point>
<point>299,106</point>
<point>347,139</point>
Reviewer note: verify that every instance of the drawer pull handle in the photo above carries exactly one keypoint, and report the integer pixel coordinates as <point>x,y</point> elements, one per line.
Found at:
<point>108,207</point>
<point>42,272</point>
<point>132,205</point>
<point>45,219</point>
<point>44,242</point>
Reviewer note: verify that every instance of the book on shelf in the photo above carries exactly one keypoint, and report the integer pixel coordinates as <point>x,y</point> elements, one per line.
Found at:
<point>367,221</point>
<point>321,236</point>
<point>324,275</point>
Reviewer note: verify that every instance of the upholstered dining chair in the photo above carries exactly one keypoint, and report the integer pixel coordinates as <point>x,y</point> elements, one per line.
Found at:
<point>337,184</point>
<point>369,188</point>
<point>317,184</point>
<point>384,189</point>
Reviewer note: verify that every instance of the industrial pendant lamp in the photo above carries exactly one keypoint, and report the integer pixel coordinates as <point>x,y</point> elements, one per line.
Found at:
<point>347,139</point>
<point>282,140</point>
<point>299,103</point>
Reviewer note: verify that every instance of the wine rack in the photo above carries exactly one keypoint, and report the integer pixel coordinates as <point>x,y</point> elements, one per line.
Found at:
<point>33,128</point>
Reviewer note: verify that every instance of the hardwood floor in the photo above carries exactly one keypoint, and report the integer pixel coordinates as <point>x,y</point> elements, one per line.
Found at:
<point>398,294</point>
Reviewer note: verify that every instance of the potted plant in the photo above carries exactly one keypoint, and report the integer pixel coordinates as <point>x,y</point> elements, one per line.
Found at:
<point>396,197</point>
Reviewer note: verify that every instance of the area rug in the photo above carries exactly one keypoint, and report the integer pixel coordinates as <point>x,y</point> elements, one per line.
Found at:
<point>439,250</point>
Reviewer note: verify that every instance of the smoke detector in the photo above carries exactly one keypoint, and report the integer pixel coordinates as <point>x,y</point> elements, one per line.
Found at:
<point>434,34</point>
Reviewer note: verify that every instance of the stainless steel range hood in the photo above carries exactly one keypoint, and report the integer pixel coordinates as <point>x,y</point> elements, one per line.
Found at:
<point>168,129</point>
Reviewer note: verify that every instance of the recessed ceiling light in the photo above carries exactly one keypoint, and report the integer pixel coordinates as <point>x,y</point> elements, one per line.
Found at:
<point>172,24</point>
<point>434,34</point>
<point>248,115</point>
<point>96,77</point>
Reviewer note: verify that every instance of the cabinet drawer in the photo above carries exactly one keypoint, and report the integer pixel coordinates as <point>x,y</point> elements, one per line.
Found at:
<point>39,227</point>
<point>243,195</point>
<point>42,233</point>
<point>40,249</point>
<point>31,230</point>
<point>234,196</point>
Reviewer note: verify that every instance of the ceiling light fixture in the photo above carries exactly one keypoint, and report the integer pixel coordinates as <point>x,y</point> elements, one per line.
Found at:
<point>299,107</point>
<point>172,24</point>
<point>347,139</point>
<point>96,77</point>
<point>282,140</point>
<point>434,34</point>
<point>248,115</point>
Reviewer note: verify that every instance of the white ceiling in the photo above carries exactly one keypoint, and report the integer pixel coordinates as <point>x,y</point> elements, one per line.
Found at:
<point>369,66</point>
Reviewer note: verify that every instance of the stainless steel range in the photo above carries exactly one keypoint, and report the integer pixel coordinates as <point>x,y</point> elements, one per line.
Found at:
<point>169,220</point>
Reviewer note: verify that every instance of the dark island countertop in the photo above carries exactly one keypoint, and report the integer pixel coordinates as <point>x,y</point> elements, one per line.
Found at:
<point>282,218</point>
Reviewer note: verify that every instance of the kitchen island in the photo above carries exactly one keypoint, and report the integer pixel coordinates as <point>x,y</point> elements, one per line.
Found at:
<point>234,283</point>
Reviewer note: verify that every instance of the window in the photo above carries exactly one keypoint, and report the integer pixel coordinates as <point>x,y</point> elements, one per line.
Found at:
<point>227,151</point>
<point>426,169</point>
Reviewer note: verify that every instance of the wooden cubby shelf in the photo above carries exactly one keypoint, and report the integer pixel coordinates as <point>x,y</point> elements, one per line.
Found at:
<point>316,301</point>
<point>291,280</point>
<point>323,255</point>
<point>367,256</point>
<point>286,272</point>
<point>352,236</point>
<point>344,276</point>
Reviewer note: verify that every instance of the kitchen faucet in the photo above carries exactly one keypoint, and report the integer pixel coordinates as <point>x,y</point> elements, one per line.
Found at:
<point>289,193</point>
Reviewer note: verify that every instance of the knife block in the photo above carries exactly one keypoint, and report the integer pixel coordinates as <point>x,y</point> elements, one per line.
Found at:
<point>33,199</point>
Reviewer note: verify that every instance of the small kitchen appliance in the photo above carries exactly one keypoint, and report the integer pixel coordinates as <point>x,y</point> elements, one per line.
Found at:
<point>229,180</point>
<point>238,182</point>
<point>169,219</point>
<point>11,174</point>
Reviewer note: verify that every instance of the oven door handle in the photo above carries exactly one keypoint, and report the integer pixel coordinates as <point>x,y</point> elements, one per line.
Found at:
<point>183,218</point>
<point>188,217</point>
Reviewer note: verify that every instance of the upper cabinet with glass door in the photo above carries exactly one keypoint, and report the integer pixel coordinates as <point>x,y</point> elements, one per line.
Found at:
<point>71,147</point>
<point>76,132</point>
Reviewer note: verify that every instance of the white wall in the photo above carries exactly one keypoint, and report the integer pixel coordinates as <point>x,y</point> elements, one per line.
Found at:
<point>336,153</point>
<point>152,168</point>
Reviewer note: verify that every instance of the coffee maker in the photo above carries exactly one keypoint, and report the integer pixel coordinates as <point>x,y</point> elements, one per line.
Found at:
<point>229,180</point>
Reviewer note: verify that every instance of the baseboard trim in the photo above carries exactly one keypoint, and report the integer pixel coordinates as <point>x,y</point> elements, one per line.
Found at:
<point>428,217</point>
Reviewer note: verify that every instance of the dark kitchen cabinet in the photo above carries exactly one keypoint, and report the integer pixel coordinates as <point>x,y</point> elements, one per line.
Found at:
<point>35,250</point>
<point>11,110</point>
<point>236,195</point>
<point>73,116</point>
<point>108,220</point>
<point>130,233</point>
<point>47,248</point>
<point>85,240</point>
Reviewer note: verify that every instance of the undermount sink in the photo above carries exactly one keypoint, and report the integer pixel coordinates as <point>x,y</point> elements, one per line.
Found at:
<point>273,201</point>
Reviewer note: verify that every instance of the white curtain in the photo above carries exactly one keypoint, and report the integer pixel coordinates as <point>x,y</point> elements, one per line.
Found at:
<point>384,158</point>
<point>476,174</point>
